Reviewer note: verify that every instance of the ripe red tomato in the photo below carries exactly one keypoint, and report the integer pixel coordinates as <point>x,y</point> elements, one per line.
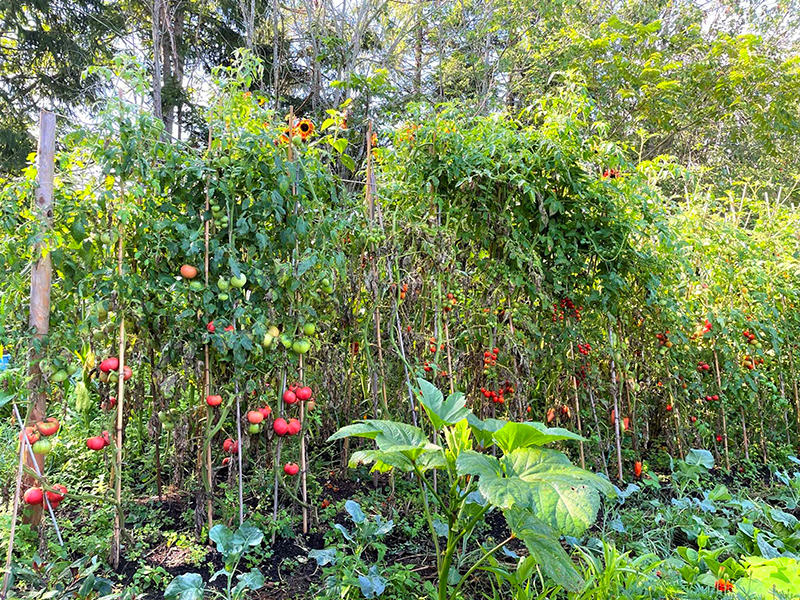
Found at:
<point>48,427</point>
<point>33,495</point>
<point>280,427</point>
<point>291,469</point>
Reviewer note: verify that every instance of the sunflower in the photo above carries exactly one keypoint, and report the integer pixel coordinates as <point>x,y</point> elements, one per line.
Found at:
<point>283,138</point>
<point>305,128</point>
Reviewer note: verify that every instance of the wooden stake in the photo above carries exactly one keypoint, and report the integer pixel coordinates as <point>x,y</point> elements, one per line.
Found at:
<point>278,446</point>
<point>722,411</point>
<point>41,281</point>
<point>615,394</point>
<point>118,524</point>
<point>303,460</point>
<point>746,440</point>
<point>239,444</point>
<point>601,443</point>
<point>577,402</point>
<point>761,434</point>
<point>207,373</point>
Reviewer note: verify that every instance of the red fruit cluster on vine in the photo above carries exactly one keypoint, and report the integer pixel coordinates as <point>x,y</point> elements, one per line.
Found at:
<point>229,445</point>
<point>490,357</point>
<point>702,367</point>
<point>712,398</point>
<point>609,173</point>
<point>748,336</point>
<point>566,308</point>
<point>403,291</point>
<point>450,303</point>
<point>584,349</point>
<point>750,363</point>
<point>663,340</point>
<point>498,396</point>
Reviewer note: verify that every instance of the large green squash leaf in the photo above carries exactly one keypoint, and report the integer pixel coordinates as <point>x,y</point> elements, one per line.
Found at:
<point>475,463</point>
<point>542,542</point>
<point>385,433</point>
<point>524,435</point>
<point>563,496</point>
<point>442,412</point>
<point>484,430</point>
<point>769,575</point>
<point>399,445</point>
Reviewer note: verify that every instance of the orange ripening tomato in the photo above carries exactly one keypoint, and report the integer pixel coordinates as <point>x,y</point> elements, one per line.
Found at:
<point>637,468</point>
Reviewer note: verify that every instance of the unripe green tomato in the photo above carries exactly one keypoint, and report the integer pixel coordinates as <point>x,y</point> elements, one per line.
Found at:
<point>59,376</point>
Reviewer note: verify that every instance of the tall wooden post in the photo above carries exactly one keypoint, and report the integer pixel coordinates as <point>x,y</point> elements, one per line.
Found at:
<point>207,375</point>
<point>118,522</point>
<point>41,282</point>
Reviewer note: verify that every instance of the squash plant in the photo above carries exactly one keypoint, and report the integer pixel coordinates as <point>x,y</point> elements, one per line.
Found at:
<point>541,494</point>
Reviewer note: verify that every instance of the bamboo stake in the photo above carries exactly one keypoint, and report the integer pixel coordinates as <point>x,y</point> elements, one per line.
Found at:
<point>762,437</point>
<point>239,448</point>
<point>722,410</point>
<point>744,434</point>
<point>676,411</point>
<point>785,418</point>
<point>450,373</point>
<point>278,446</point>
<point>794,379</point>
<point>158,432</point>
<point>41,278</point>
<point>614,393</point>
<point>207,373</point>
<point>303,458</point>
<point>118,524</point>
<point>600,440</point>
<point>577,403</point>
<point>405,368</point>
<point>794,388</point>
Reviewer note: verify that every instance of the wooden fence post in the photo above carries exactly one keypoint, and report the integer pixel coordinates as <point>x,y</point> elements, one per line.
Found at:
<point>41,282</point>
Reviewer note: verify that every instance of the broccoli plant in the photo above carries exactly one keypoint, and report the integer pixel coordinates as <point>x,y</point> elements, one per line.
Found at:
<point>539,491</point>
